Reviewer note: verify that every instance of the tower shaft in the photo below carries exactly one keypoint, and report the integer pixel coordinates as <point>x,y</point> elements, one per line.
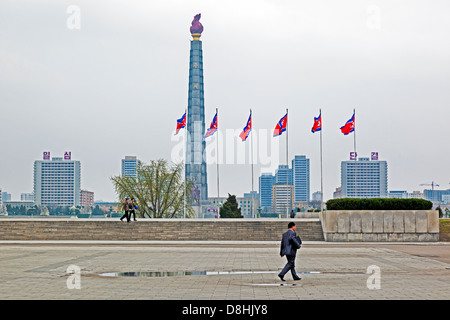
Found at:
<point>195,148</point>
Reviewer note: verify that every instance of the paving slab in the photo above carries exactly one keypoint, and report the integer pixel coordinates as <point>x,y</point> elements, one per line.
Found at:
<point>237,271</point>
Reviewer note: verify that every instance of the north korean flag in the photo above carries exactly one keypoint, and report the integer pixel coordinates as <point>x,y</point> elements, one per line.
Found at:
<point>281,126</point>
<point>248,127</point>
<point>349,126</point>
<point>212,128</point>
<point>317,126</point>
<point>181,123</point>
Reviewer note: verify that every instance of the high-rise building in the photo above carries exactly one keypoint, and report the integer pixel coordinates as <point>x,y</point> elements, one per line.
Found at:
<point>6,196</point>
<point>283,175</point>
<point>435,195</point>
<point>446,199</point>
<point>86,198</point>
<point>297,176</point>
<point>27,197</point>
<point>337,194</point>
<point>415,195</point>
<point>403,194</point>
<point>57,181</point>
<point>300,176</point>
<point>364,178</point>
<point>266,181</point>
<point>282,198</point>
<point>195,144</point>
<point>398,194</point>
<point>130,166</point>
<point>250,204</point>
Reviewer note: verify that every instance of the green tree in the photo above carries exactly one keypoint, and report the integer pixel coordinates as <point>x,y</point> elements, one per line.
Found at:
<point>230,208</point>
<point>440,212</point>
<point>11,211</point>
<point>97,211</point>
<point>158,190</point>
<point>34,211</point>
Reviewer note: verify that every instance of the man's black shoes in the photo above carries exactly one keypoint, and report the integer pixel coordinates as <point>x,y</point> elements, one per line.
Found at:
<point>295,279</point>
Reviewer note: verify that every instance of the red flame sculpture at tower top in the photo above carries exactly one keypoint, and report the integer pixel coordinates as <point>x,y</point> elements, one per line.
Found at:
<point>196,26</point>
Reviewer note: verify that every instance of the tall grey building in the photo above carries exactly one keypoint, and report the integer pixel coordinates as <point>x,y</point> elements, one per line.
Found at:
<point>435,195</point>
<point>6,196</point>
<point>283,175</point>
<point>301,178</point>
<point>364,178</point>
<point>26,197</point>
<point>57,181</point>
<point>266,182</point>
<point>130,166</point>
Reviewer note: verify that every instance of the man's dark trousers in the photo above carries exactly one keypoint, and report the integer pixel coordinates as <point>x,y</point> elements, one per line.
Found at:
<point>126,215</point>
<point>290,265</point>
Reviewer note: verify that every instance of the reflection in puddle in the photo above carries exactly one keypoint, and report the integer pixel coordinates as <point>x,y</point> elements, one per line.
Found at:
<point>274,284</point>
<point>153,274</point>
<point>188,273</point>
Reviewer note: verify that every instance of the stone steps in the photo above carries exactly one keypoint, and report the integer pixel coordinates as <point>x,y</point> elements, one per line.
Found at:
<point>156,229</point>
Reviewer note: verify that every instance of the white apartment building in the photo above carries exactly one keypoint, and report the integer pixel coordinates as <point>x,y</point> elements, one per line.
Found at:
<point>57,181</point>
<point>282,198</point>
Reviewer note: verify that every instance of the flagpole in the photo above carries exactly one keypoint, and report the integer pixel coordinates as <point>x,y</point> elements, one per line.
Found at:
<point>287,144</point>
<point>217,154</point>
<point>253,189</point>
<point>321,164</point>
<point>185,159</point>
<point>287,163</point>
<point>354,148</point>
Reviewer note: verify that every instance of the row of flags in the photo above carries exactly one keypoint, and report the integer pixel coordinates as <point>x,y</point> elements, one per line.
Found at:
<point>280,127</point>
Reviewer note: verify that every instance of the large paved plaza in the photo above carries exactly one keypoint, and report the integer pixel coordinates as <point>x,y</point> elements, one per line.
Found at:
<point>221,271</point>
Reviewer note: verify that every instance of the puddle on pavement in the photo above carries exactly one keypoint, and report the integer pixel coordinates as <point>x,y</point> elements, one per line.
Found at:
<point>344,272</point>
<point>274,284</point>
<point>426,255</point>
<point>157,274</point>
<point>153,274</point>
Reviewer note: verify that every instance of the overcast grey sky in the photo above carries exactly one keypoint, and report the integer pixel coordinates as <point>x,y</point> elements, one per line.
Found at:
<point>116,86</point>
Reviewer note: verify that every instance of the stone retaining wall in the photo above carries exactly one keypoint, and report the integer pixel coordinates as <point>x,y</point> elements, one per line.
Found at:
<point>156,229</point>
<point>362,225</point>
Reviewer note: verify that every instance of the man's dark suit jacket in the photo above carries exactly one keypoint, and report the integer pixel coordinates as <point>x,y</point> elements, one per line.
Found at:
<point>290,243</point>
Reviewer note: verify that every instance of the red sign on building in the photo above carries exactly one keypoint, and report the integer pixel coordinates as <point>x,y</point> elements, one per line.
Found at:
<point>374,156</point>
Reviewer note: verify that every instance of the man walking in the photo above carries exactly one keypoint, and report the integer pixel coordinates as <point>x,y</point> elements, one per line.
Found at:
<point>290,243</point>
<point>132,209</point>
<point>126,209</point>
